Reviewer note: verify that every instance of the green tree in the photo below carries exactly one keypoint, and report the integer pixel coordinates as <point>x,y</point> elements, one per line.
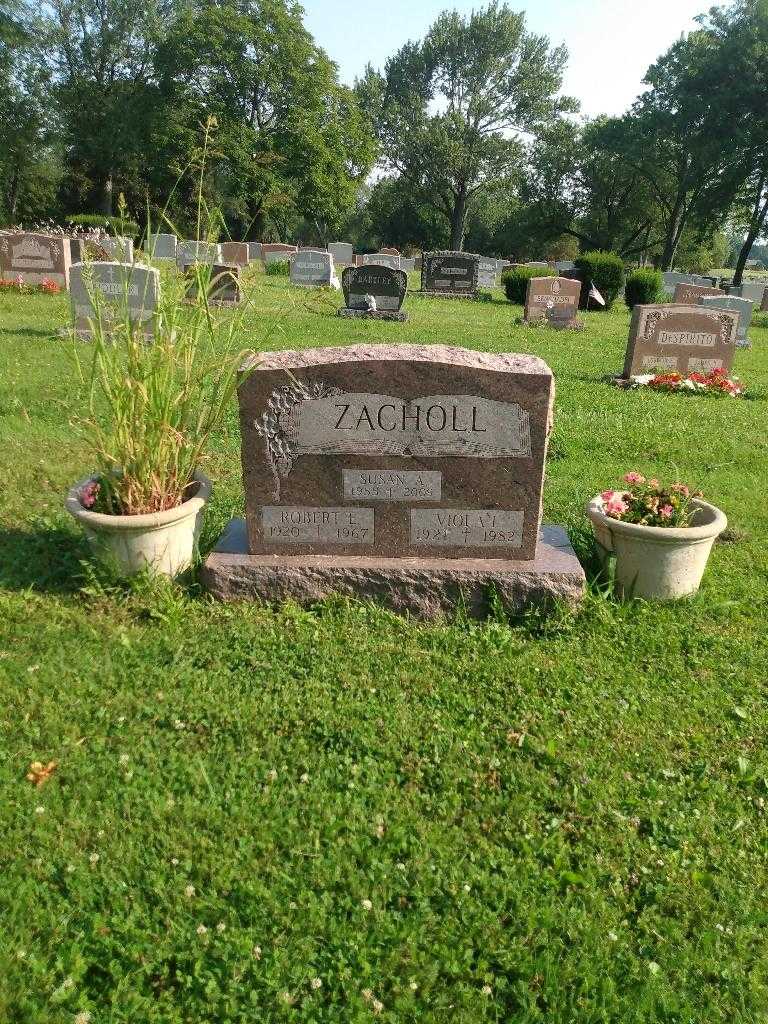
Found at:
<point>449,109</point>
<point>100,54</point>
<point>291,141</point>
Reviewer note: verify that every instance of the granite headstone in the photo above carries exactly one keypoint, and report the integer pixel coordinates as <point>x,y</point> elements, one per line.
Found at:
<point>412,474</point>
<point>450,274</point>
<point>684,339</point>
<point>35,257</point>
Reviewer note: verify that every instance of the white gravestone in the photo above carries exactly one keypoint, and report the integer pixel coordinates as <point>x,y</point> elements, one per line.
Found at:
<point>189,252</point>
<point>106,291</point>
<point>313,268</point>
<point>342,252</point>
<point>743,307</point>
<point>162,246</point>
<point>487,272</point>
<point>381,259</point>
<point>120,249</point>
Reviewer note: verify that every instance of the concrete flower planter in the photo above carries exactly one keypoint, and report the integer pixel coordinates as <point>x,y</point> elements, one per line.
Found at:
<point>654,561</point>
<point>164,540</point>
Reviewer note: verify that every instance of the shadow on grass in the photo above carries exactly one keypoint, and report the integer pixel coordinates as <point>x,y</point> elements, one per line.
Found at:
<point>27,332</point>
<point>46,558</point>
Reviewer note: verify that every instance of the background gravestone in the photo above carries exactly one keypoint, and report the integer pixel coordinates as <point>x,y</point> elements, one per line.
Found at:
<point>555,299</point>
<point>313,268</point>
<point>744,307</point>
<point>223,283</point>
<point>342,252</point>
<point>386,286</point>
<point>380,259</point>
<point>254,251</point>
<point>234,253</point>
<point>488,272</point>
<point>671,279</point>
<point>408,473</point>
<point>35,257</point>
<point>752,290</point>
<point>191,251</point>
<point>115,287</point>
<point>277,252</point>
<point>680,338</point>
<point>689,294</point>
<point>162,246</point>
<point>450,274</point>
<point>118,249</point>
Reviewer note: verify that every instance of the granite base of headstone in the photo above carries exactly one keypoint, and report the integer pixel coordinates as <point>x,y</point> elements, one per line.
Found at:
<point>410,475</point>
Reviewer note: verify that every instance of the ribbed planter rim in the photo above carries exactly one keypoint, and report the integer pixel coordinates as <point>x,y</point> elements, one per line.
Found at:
<point>716,523</point>
<point>146,521</point>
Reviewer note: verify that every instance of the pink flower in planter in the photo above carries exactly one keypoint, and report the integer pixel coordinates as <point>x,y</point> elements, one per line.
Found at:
<point>680,489</point>
<point>634,478</point>
<point>666,512</point>
<point>89,494</point>
<point>616,507</point>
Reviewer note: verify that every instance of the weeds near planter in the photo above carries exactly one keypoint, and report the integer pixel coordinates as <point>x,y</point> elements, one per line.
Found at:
<point>151,404</point>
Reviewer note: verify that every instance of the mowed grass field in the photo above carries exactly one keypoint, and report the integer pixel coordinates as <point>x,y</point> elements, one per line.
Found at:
<point>336,815</point>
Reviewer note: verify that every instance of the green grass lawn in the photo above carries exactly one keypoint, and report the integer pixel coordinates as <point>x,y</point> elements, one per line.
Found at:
<point>268,815</point>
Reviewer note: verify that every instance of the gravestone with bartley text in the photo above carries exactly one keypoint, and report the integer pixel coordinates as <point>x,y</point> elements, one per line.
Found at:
<point>374,292</point>
<point>412,474</point>
<point>683,339</point>
<point>35,258</point>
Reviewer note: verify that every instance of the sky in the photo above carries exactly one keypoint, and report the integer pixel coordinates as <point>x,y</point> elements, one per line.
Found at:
<point>611,43</point>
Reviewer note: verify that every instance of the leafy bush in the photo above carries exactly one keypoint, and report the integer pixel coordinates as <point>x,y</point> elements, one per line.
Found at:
<point>643,286</point>
<point>115,225</point>
<point>278,268</point>
<point>603,269</point>
<point>515,281</point>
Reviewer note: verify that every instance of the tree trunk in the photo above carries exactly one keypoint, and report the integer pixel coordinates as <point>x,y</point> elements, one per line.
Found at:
<point>672,235</point>
<point>754,232</point>
<point>106,195</point>
<point>13,193</point>
<point>459,221</point>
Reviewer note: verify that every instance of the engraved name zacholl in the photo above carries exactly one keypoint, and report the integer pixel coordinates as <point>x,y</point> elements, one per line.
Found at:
<point>319,419</point>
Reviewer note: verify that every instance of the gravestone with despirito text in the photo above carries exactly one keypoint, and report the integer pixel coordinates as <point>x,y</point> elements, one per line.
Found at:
<point>682,339</point>
<point>408,473</point>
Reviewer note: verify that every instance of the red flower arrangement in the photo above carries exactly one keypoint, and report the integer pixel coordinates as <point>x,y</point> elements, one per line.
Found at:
<point>18,284</point>
<point>716,382</point>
